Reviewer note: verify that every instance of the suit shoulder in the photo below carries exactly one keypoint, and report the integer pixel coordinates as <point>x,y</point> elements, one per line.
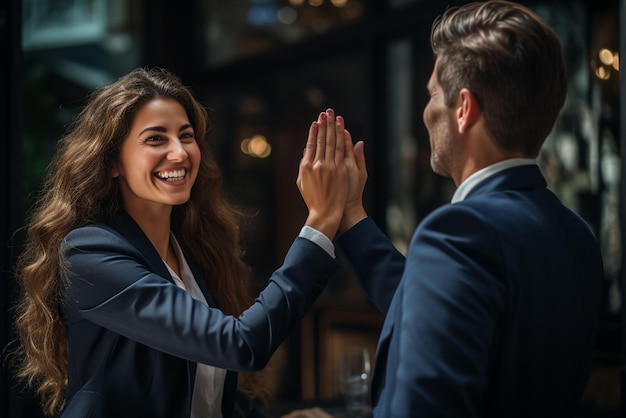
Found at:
<point>94,236</point>
<point>451,215</point>
<point>99,230</point>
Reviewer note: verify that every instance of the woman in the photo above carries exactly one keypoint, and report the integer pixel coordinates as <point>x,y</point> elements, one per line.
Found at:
<point>135,300</point>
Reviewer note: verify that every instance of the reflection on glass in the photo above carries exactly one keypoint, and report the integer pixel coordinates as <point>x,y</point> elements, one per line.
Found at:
<point>69,47</point>
<point>402,151</point>
<point>238,28</point>
<point>413,189</point>
<point>581,158</point>
<point>48,23</point>
<point>355,376</point>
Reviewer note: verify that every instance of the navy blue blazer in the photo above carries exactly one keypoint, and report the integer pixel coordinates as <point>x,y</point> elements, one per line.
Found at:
<point>492,313</point>
<point>135,337</point>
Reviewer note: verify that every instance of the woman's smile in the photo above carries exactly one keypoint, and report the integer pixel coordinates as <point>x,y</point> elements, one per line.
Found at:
<point>171,176</point>
<point>159,159</point>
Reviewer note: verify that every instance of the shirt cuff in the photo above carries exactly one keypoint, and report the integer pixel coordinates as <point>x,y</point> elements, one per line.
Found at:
<point>318,238</point>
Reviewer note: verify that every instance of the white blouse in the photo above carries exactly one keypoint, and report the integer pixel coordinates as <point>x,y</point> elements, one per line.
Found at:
<point>208,388</point>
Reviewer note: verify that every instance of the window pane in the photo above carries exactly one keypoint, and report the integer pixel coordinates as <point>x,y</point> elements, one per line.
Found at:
<point>238,28</point>
<point>581,158</point>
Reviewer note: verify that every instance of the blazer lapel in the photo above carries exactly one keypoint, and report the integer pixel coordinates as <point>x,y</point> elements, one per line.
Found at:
<point>128,228</point>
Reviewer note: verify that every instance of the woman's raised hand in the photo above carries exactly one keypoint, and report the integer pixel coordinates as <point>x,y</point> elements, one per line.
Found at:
<point>322,176</point>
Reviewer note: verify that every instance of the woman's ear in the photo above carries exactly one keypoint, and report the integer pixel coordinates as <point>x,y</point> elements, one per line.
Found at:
<point>115,173</point>
<point>468,110</point>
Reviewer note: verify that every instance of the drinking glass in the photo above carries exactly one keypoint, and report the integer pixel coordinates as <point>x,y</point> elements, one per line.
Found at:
<point>355,376</point>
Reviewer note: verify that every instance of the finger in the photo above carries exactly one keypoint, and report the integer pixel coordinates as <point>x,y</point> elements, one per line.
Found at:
<point>321,137</point>
<point>348,147</point>
<point>331,135</point>
<point>311,143</point>
<point>359,155</point>
<point>339,145</point>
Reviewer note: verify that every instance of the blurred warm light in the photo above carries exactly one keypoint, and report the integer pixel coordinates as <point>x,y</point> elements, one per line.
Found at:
<point>602,73</point>
<point>296,2</point>
<point>608,62</point>
<point>257,146</point>
<point>339,3</point>
<point>244,145</point>
<point>606,56</point>
<point>315,3</point>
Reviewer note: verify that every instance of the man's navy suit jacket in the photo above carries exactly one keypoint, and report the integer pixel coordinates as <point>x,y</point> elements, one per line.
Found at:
<point>135,337</point>
<point>492,313</point>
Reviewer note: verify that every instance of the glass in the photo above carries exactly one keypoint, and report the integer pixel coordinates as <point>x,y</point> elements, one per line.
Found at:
<point>581,158</point>
<point>355,376</point>
<point>241,28</point>
<point>69,48</point>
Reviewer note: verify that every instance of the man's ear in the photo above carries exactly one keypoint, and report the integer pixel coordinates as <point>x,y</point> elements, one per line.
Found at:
<point>468,110</point>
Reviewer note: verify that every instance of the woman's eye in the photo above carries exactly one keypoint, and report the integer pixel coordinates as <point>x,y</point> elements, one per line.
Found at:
<point>187,136</point>
<point>155,138</point>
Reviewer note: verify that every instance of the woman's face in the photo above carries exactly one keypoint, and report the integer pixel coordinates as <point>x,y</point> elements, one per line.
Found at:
<point>159,159</point>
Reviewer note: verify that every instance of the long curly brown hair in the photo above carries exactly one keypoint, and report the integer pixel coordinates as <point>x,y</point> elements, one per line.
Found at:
<point>78,190</point>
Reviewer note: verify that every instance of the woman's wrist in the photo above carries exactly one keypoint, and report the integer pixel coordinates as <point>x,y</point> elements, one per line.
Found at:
<point>327,225</point>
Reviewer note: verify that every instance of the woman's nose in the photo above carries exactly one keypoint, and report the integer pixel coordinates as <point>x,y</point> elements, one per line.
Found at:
<point>176,151</point>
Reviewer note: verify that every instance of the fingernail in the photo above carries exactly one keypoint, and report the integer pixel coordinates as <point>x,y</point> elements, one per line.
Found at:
<point>329,111</point>
<point>323,115</point>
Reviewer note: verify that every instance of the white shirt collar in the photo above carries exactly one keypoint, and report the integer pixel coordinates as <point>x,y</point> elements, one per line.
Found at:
<point>468,185</point>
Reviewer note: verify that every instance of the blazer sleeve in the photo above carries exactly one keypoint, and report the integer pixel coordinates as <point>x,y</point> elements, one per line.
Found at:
<point>373,259</point>
<point>451,296</point>
<point>111,286</point>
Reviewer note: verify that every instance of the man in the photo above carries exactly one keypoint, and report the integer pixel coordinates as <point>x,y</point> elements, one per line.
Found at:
<point>493,311</point>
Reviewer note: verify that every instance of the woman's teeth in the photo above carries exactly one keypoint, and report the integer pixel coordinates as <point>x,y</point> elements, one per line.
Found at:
<point>173,175</point>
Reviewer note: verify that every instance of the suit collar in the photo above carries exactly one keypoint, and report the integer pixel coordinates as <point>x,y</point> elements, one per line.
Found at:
<point>514,178</point>
<point>477,177</point>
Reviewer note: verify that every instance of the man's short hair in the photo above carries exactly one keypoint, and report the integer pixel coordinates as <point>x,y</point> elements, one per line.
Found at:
<point>512,61</point>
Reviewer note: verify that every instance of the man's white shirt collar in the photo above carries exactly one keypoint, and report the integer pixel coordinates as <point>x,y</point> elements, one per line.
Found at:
<point>468,185</point>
